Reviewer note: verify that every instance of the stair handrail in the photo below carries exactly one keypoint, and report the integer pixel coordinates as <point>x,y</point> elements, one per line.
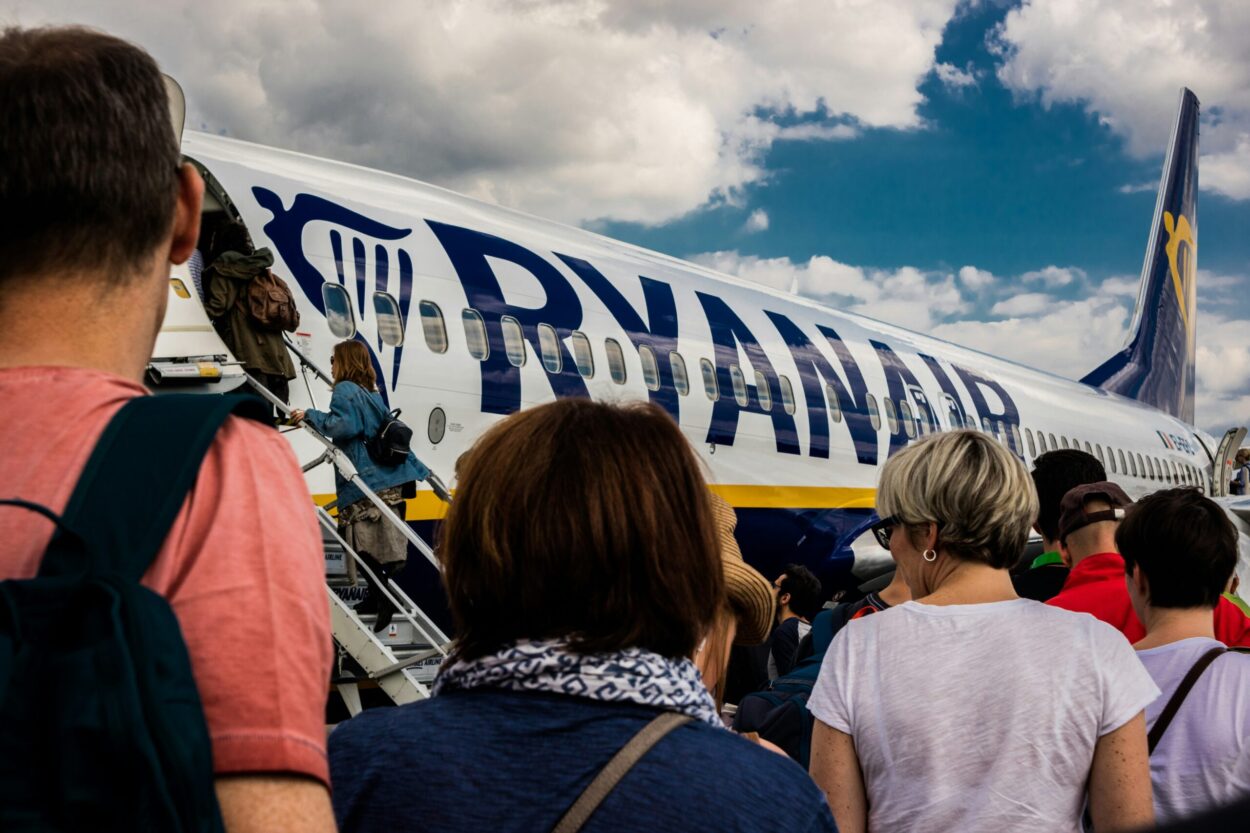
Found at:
<point>393,593</point>
<point>346,468</point>
<point>305,360</point>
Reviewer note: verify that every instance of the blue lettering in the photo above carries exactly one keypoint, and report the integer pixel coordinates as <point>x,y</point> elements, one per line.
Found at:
<point>660,336</point>
<point>728,332</point>
<point>1009,416</point>
<point>813,368</point>
<point>960,416</point>
<point>898,377</point>
<point>501,381</point>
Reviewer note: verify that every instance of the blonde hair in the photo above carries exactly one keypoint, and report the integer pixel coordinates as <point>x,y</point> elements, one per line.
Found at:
<point>978,493</point>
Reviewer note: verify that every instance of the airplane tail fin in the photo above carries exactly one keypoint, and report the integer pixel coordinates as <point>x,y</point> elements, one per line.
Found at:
<point>1156,365</point>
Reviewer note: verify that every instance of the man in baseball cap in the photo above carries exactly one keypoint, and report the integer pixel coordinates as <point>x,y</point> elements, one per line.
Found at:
<point>1088,518</point>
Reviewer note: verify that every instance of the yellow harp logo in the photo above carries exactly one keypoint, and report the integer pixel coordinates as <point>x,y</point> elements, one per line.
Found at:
<point>1182,262</point>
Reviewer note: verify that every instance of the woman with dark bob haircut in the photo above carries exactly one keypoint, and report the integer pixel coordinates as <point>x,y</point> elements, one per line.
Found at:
<point>583,571</point>
<point>970,709</point>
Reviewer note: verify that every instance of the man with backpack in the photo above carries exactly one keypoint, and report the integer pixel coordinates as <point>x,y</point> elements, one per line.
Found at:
<point>1180,550</point>
<point>165,645</point>
<point>251,307</point>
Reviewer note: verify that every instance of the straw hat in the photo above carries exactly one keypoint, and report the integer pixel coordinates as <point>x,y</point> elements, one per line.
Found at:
<point>750,594</point>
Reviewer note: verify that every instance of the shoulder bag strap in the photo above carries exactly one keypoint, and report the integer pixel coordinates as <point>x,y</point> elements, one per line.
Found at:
<point>1178,697</point>
<point>622,762</point>
<point>138,478</point>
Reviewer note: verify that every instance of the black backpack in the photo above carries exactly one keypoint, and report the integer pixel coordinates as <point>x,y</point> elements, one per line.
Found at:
<point>779,714</point>
<point>101,725</point>
<point>392,443</point>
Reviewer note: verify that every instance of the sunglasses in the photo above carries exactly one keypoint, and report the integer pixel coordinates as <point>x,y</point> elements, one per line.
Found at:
<point>883,528</point>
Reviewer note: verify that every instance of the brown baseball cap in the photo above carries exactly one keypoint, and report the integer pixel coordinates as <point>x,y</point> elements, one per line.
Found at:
<point>1072,514</point>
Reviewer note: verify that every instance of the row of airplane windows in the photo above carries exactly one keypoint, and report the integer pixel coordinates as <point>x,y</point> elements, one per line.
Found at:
<point>902,416</point>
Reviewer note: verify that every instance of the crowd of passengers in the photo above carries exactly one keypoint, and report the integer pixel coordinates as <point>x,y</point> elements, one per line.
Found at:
<point>594,581</point>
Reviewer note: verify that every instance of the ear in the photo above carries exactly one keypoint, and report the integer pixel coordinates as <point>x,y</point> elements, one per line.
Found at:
<point>1065,554</point>
<point>783,599</point>
<point>1141,584</point>
<point>930,536</point>
<point>186,232</point>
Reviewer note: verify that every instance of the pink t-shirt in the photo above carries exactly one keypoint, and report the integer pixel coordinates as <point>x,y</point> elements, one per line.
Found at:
<point>242,566</point>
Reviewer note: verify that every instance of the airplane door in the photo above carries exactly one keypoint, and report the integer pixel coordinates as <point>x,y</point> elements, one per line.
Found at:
<point>1222,465</point>
<point>927,419</point>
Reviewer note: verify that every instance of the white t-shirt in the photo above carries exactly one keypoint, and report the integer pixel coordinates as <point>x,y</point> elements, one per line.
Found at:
<point>978,717</point>
<point>1192,768</point>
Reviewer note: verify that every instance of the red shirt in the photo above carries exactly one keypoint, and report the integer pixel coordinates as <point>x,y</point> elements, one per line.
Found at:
<point>242,566</point>
<point>1099,586</point>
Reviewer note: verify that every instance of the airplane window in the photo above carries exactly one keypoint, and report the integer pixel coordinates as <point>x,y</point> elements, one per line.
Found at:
<point>1028,435</point>
<point>1101,459</point>
<point>616,360</point>
<point>985,425</point>
<point>549,347</point>
<point>874,418</point>
<point>891,418</point>
<point>390,322</point>
<point>956,422</point>
<point>1123,465</point>
<point>740,385</point>
<point>339,314</point>
<point>1155,472</point>
<point>1141,465</point>
<point>513,340</point>
<point>1054,446</point>
<point>1015,438</point>
<point>1134,463</point>
<point>1176,475</point>
<point>1041,443</point>
<point>1063,441</point>
<point>835,407</point>
<point>1089,449</point>
<point>1110,461</point>
<point>582,356</point>
<point>474,334</point>
<point>680,380</point>
<point>763,392</point>
<point>787,395</point>
<point>432,326</point>
<point>909,422</point>
<point>709,380</point>
<point>650,369</point>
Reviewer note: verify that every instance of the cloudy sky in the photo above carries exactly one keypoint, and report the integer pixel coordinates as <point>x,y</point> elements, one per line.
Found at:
<point>983,170</point>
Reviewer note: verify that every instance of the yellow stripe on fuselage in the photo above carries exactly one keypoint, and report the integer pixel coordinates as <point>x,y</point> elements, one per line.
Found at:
<point>427,507</point>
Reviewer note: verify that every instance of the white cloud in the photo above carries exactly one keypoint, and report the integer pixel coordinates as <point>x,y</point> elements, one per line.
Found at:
<point>1028,303</point>
<point>810,131</point>
<point>1138,188</point>
<point>1229,173</point>
<point>907,296</point>
<point>574,109</point>
<point>954,77</point>
<point>757,221</point>
<point>1053,276</point>
<point>974,278</point>
<point>1125,60</point>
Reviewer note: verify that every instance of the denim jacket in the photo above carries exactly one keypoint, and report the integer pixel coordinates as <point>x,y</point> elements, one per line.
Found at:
<point>354,415</point>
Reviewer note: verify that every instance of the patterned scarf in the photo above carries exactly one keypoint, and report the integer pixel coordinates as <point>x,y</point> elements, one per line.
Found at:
<point>630,676</point>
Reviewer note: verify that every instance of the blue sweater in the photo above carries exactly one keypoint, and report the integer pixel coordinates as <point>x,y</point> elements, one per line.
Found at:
<point>502,761</point>
<point>354,415</point>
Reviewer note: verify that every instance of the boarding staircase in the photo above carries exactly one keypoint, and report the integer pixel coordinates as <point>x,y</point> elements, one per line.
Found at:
<point>403,660</point>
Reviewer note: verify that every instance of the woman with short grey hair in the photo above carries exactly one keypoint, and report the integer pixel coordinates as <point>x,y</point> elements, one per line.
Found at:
<point>969,708</point>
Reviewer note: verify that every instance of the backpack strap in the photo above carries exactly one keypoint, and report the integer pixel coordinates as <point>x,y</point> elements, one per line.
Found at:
<point>617,768</point>
<point>138,478</point>
<point>1178,697</point>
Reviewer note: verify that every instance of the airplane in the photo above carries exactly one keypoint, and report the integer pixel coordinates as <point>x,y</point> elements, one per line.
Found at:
<point>472,311</point>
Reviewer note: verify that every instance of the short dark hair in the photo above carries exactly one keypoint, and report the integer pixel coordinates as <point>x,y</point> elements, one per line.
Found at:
<point>587,521</point>
<point>88,158</point>
<point>804,589</point>
<point>1184,543</point>
<point>1054,474</point>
